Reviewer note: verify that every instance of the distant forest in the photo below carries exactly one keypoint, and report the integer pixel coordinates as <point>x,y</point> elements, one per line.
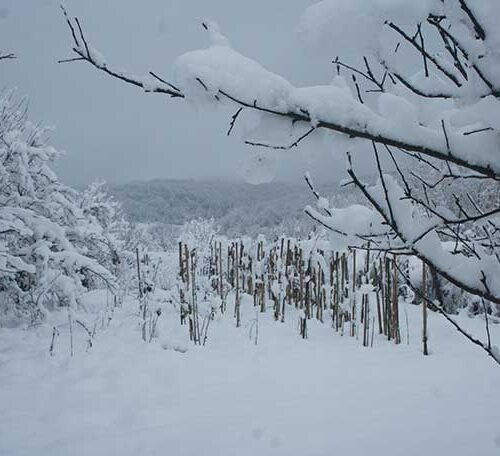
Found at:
<point>238,208</point>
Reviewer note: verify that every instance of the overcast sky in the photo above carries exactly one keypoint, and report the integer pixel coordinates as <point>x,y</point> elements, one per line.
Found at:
<point>118,133</point>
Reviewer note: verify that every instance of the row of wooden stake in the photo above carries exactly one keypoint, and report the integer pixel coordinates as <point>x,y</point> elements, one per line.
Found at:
<point>300,274</point>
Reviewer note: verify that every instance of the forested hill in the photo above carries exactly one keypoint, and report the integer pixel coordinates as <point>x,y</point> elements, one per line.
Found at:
<point>237,207</point>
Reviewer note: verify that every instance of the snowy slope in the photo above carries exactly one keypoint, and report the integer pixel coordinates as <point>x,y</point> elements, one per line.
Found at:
<point>285,396</point>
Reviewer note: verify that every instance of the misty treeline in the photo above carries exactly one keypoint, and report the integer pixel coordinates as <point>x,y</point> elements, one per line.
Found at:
<point>239,209</point>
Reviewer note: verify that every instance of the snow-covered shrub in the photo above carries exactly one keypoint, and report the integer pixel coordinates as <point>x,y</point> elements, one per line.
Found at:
<point>197,236</point>
<point>165,236</point>
<point>43,262</point>
<point>198,233</point>
<point>140,235</point>
<point>105,227</point>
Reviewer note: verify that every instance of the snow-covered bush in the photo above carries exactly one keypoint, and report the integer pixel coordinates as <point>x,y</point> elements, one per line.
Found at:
<point>165,236</point>
<point>43,262</point>
<point>198,234</point>
<point>141,235</point>
<point>105,228</point>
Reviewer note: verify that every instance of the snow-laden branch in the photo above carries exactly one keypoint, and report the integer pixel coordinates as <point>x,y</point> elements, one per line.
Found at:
<point>221,74</point>
<point>395,225</point>
<point>418,235</point>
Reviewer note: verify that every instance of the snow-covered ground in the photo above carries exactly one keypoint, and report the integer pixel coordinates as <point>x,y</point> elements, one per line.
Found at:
<point>285,396</point>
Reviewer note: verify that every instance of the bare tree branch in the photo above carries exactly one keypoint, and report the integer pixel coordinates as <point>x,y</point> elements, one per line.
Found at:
<point>429,57</point>
<point>477,26</point>
<point>483,293</point>
<point>290,146</point>
<point>7,56</point>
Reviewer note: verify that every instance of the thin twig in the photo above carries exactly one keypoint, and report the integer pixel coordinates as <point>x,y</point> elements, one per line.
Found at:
<point>233,120</point>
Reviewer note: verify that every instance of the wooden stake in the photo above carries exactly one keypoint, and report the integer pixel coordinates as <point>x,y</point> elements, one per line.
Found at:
<point>237,281</point>
<point>395,301</point>
<point>424,310</point>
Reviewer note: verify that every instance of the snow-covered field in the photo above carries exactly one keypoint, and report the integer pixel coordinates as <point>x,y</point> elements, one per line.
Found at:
<point>285,396</point>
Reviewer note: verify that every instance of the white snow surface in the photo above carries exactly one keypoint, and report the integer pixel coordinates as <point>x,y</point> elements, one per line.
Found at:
<point>285,396</point>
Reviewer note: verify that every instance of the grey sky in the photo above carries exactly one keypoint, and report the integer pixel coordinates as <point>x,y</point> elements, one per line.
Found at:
<point>119,133</point>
